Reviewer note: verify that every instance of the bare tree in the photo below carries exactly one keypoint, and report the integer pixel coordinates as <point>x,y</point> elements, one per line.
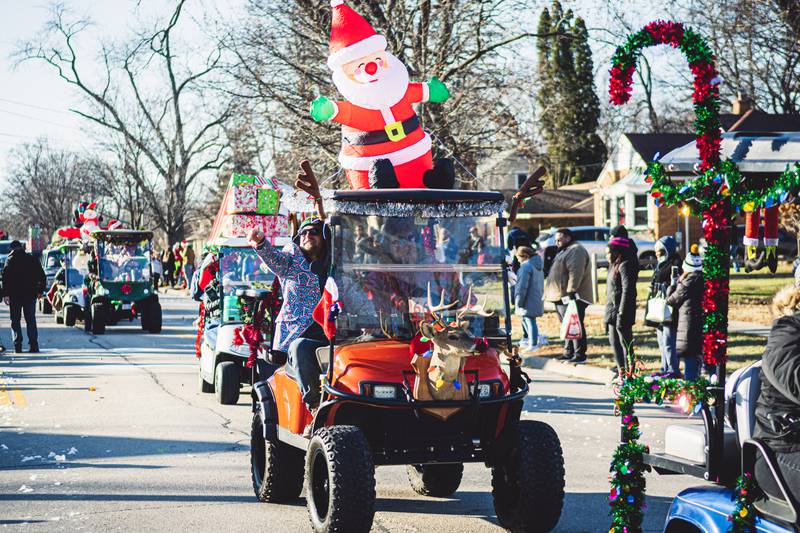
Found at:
<point>152,98</point>
<point>45,183</point>
<point>475,47</point>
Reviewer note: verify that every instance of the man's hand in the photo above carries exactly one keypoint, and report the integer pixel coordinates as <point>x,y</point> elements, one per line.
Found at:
<point>322,109</point>
<point>255,238</point>
<point>437,91</point>
<point>307,182</point>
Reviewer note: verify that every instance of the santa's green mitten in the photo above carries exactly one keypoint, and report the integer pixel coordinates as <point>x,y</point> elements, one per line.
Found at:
<point>437,91</point>
<point>322,109</point>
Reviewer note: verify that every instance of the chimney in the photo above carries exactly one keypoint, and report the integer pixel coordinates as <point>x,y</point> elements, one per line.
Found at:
<point>742,104</point>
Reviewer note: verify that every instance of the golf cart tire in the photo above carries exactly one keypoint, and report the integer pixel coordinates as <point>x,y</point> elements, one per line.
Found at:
<point>70,315</point>
<point>205,386</point>
<point>59,316</point>
<point>340,481</point>
<point>275,467</point>
<point>528,488</point>
<point>87,319</point>
<point>226,383</point>
<point>47,307</point>
<point>98,319</point>
<point>154,322</point>
<point>439,480</point>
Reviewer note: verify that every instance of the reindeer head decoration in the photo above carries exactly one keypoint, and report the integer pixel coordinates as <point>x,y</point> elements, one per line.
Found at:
<point>452,344</point>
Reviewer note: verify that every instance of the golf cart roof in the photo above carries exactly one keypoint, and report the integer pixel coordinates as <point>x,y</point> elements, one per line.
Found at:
<point>122,235</point>
<point>414,202</point>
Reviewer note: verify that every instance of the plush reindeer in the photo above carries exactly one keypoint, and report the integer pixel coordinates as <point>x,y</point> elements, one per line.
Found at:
<point>440,376</point>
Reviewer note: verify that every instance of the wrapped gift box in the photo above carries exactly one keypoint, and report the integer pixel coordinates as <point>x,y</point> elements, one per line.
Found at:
<point>243,199</point>
<point>268,201</point>
<point>242,179</point>
<point>240,225</point>
<point>275,226</point>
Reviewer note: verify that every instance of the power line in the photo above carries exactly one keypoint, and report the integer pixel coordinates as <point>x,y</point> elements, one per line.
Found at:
<point>43,108</point>
<point>37,119</point>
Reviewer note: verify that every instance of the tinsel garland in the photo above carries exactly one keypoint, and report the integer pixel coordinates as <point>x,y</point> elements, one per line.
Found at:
<point>743,517</point>
<point>627,494</point>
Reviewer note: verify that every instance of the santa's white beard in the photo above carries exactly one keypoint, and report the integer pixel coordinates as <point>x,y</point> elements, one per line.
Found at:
<point>386,92</point>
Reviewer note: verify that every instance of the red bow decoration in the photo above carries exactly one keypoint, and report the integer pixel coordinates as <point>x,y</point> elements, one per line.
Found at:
<point>126,289</point>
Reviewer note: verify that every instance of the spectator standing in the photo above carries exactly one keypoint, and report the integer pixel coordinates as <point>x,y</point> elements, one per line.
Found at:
<point>23,281</point>
<point>778,403</point>
<point>570,278</point>
<point>665,275</point>
<point>158,269</point>
<point>168,265</point>
<point>528,295</point>
<point>188,262</point>
<point>685,299</point>
<point>178,273</point>
<point>623,273</point>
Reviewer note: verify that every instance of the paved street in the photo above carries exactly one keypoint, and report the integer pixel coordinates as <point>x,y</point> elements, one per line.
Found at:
<point>110,433</point>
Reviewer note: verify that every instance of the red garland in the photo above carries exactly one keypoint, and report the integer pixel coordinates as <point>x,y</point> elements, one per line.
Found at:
<point>714,343</point>
<point>666,32</point>
<point>620,85</point>
<point>715,289</point>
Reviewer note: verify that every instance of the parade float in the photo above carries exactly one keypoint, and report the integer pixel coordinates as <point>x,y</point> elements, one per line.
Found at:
<point>418,333</point>
<point>227,339</point>
<point>722,450</point>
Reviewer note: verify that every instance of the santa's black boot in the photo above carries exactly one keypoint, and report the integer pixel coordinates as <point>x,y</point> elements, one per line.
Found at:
<point>441,176</point>
<point>772,259</point>
<point>755,264</point>
<point>382,175</point>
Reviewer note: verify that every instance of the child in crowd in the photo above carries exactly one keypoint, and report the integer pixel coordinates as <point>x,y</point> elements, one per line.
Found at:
<point>528,293</point>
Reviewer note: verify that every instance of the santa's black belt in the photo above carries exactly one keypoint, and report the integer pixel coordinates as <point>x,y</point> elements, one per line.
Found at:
<point>396,131</point>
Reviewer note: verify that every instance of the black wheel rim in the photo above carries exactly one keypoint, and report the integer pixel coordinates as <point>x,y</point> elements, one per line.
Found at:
<point>320,486</point>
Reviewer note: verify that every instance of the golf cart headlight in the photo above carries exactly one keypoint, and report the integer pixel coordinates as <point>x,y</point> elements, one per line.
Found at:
<point>484,390</point>
<point>384,392</point>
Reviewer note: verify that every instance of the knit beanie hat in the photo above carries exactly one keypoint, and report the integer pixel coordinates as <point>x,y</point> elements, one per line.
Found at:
<point>619,231</point>
<point>668,244</point>
<point>693,261</point>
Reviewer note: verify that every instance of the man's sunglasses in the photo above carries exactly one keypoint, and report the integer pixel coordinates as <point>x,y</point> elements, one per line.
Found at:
<point>316,232</point>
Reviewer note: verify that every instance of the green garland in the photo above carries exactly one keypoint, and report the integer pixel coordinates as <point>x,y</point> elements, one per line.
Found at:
<point>743,518</point>
<point>627,464</point>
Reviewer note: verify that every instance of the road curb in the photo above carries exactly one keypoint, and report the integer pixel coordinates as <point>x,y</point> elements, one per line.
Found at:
<point>586,372</point>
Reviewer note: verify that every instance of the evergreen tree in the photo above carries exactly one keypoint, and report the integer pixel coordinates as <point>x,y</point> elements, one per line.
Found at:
<point>569,107</point>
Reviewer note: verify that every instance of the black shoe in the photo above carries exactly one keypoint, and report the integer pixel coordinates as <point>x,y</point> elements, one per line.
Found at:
<point>34,348</point>
<point>578,360</point>
<point>17,348</point>
<point>382,175</point>
<point>566,357</point>
<point>441,176</point>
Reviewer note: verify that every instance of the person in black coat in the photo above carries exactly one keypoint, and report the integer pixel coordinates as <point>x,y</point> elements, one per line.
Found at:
<point>686,299</point>
<point>778,405</point>
<point>665,275</point>
<point>23,281</point>
<point>623,273</point>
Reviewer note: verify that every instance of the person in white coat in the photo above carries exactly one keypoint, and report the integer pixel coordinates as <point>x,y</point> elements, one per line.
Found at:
<point>528,294</point>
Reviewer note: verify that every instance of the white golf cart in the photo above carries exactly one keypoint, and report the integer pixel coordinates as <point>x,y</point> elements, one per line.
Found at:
<point>222,359</point>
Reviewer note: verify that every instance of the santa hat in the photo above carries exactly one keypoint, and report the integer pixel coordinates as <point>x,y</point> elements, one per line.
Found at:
<point>351,36</point>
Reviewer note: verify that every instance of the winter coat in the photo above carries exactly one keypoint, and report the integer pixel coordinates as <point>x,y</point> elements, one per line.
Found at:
<point>685,300</point>
<point>621,293</point>
<point>23,276</point>
<point>530,287</point>
<point>662,275</point>
<point>780,383</point>
<point>569,273</point>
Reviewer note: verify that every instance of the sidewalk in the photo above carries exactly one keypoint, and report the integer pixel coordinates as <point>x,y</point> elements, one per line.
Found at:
<point>604,375</point>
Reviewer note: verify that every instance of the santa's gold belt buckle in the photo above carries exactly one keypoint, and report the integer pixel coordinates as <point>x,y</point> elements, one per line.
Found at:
<point>395,131</point>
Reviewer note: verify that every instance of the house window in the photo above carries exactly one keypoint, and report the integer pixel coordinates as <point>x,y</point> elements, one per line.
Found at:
<point>620,210</point>
<point>521,177</point>
<point>607,211</point>
<point>640,210</point>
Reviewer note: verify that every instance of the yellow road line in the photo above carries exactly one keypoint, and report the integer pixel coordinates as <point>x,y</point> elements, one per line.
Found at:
<point>5,399</point>
<point>19,399</point>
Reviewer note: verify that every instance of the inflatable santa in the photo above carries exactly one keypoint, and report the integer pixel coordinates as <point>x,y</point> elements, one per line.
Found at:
<point>383,143</point>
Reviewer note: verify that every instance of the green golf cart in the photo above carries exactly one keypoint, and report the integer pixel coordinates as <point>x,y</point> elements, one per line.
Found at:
<point>120,281</point>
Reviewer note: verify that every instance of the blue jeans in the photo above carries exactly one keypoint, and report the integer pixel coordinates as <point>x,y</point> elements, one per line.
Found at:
<point>691,366</point>
<point>23,306</point>
<point>303,360</point>
<point>530,331</point>
<point>666,345</point>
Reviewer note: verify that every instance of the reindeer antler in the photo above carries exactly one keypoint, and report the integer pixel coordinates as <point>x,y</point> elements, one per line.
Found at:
<point>385,326</point>
<point>433,309</point>
<point>468,309</point>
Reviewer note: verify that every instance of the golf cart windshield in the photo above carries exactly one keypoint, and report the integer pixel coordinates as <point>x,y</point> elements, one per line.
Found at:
<point>240,268</point>
<point>53,259</point>
<point>124,261</point>
<point>384,267</point>
<point>72,276</point>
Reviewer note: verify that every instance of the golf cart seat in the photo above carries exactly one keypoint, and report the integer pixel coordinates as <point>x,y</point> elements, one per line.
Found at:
<point>688,442</point>
<point>741,393</point>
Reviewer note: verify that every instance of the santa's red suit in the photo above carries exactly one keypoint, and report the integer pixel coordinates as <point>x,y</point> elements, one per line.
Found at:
<point>394,134</point>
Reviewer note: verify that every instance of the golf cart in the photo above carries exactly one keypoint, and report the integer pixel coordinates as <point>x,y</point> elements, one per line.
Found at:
<point>222,357</point>
<point>69,297</point>
<point>51,263</point>
<point>120,283</point>
<point>414,374</point>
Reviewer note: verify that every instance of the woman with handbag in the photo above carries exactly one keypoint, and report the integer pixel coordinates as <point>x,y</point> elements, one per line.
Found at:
<point>528,295</point>
<point>685,299</point>
<point>623,273</point>
<point>665,275</point>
